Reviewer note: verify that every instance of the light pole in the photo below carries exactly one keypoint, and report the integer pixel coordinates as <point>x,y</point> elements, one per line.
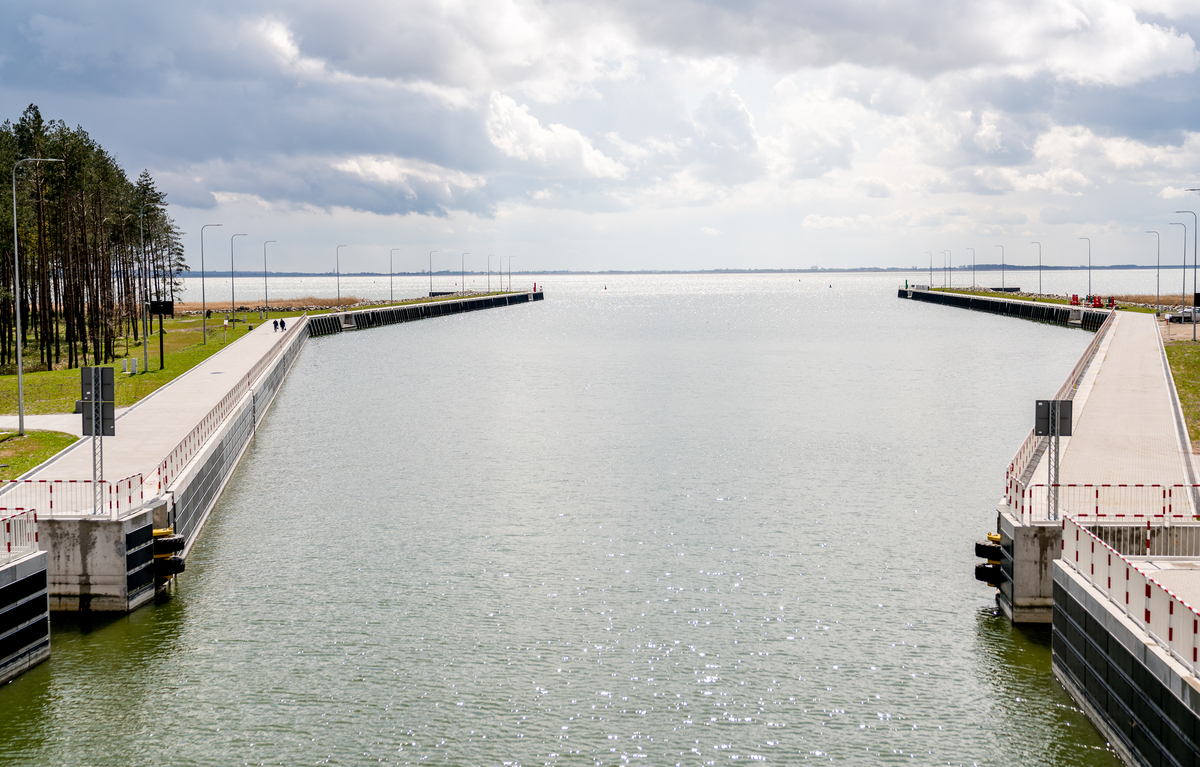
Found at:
<point>1039,266</point>
<point>1183,290</point>
<point>1002,285</point>
<point>17,298</point>
<point>462,278</point>
<point>930,254</point>
<point>1194,288</point>
<point>266,300</point>
<point>232,293</point>
<point>510,258</point>
<point>972,267</point>
<point>490,271</point>
<point>203,303</point>
<point>949,269</point>
<point>431,272</point>
<point>391,287</point>
<point>1089,242</point>
<point>1157,270</point>
<point>337,267</point>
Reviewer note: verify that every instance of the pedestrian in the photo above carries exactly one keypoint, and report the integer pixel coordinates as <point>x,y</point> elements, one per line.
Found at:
<point>276,323</point>
<point>282,325</point>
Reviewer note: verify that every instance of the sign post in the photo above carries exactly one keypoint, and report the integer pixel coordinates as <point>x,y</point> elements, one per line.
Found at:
<point>160,308</point>
<point>1052,418</point>
<point>99,421</point>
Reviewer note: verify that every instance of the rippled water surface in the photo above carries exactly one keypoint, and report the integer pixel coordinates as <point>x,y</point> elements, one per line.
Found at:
<point>677,519</point>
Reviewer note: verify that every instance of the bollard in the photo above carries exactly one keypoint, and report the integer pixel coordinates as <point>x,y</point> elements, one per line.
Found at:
<point>125,366</point>
<point>133,363</point>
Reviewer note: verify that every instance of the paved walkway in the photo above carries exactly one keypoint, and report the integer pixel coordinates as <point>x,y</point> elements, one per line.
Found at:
<point>1124,429</point>
<point>150,429</point>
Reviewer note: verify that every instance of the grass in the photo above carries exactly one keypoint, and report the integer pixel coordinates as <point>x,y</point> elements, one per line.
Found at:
<point>20,454</point>
<point>55,391</point>
<point>1184,357</point>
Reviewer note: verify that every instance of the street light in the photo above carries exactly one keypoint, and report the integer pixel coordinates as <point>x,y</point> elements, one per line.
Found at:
<point>266,300</point>
<point>1039,266</point>
<point>203,303</point>
<point>972,267</point>
<point>1194,288</point>
<point>463,273</point>
<point>391,288</point>
<point>930,254</point>
<point>1157,270</point>
<point>949,269</point>
<point>1002,285</point>
<point>17,297</point>
<point>232,294</point>
<point>337,265</point>
<point>431,272</point>
<point>490,271</point>
<point>1183,290</point>
<point>1089,242</point>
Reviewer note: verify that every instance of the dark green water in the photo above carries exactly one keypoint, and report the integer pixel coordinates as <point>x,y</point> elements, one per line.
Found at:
<point>684,520</point>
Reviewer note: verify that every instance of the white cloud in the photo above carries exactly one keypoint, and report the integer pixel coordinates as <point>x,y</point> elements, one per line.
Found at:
<point>558,149</point>
<point>708,230</point>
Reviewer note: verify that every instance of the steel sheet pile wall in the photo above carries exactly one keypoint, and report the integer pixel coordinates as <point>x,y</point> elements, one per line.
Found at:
<point>1030,310</point>
<point>328,324</point>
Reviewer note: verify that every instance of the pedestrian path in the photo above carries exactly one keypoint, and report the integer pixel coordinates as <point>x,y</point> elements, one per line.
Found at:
<point>150,429</point>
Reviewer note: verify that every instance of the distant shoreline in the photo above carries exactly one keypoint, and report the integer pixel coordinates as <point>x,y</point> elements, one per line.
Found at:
<point>564,272</point>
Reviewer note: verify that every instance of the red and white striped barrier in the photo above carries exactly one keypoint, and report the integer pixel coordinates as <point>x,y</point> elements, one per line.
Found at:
<point>18,533</point>
<point>1163,615</point>
<point>74,497</point>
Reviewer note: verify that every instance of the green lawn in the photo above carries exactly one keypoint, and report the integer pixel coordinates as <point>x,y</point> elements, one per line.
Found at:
<point>1185,369</point>
<point>1037,299</point>
<point>20,454</point>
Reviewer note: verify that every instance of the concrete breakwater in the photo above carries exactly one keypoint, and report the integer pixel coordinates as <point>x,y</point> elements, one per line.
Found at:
<point>1056,314</point>
<point>69,544</point>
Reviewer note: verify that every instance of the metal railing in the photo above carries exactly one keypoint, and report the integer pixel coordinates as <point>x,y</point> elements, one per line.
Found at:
<point>74,497</point>
<point>1170,621</point>
<point>1015,479</point>
<point>168,469</point>
<point>18,533</point>
<point>1109,502</point>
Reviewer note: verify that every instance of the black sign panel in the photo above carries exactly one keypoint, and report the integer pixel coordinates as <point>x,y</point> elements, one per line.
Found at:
<point>1042,426</point>
<point>108,420</point>
<point>162,307</point>
<point>106,384</point>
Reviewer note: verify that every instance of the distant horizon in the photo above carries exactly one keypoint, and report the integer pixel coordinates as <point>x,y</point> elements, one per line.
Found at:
<point>832,270</point>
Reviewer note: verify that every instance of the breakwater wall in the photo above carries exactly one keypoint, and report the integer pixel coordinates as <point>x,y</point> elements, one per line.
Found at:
<point>361,319</point>
<point>1055,314</point>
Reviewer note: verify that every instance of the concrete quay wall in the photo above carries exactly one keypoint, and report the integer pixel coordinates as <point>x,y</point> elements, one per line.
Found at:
<point>1144,702</point>
<point>1056,314</point>
<point>361,319</point>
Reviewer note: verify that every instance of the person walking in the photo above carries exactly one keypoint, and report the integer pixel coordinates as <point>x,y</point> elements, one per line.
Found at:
<point>282,325</point>
<point>276,324</point>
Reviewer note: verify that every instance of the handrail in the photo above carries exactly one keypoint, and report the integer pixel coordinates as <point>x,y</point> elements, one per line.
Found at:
<point>18,534</point>
<point>1167,618</point>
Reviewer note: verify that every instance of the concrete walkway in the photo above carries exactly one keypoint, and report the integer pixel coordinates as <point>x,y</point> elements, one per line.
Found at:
<point>1124,426</point>
<point>150,429</point>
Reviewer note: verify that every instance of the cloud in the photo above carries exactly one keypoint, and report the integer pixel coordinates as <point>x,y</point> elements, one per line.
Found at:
<point>558,149</point>
<point>710,232</point>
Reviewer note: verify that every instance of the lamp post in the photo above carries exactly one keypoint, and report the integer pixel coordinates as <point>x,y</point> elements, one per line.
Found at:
<point>17,298</point>
<point>1039,266</point>
<point>391,286</point>
<point>462,278</point>
<point>1002,285</point>
<point>1157,270</point>
<point>1089,242</point>
<point>266,300</point>
<point>972,267</point>
<point>490,271</point>
<point>232,293</point>
<point>431,272</point>
<point>949,269</point>
<point>203,303</point>
<point>1183,290</point>
<point>337,267</point>
<point>930,254</point>
<point>1194,288</point>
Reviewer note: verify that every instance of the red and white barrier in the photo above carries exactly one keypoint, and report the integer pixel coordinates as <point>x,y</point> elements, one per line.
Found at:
<point>18,533</point>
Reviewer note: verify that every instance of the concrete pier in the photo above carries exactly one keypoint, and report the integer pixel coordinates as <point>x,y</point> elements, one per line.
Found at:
<point>24,604</point>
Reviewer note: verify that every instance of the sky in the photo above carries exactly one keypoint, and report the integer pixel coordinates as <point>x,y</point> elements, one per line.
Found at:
<point>612,134</point>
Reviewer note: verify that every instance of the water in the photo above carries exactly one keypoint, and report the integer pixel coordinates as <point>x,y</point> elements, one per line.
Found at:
<point>686,520</point>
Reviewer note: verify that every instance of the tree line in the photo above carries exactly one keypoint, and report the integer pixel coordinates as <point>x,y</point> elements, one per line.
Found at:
<point>85,269</point>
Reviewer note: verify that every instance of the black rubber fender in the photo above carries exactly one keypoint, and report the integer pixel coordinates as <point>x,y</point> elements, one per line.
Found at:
<point>169,544</point>
<point>983,549</point>
<point>168,566</point>
<point>989,574</point>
